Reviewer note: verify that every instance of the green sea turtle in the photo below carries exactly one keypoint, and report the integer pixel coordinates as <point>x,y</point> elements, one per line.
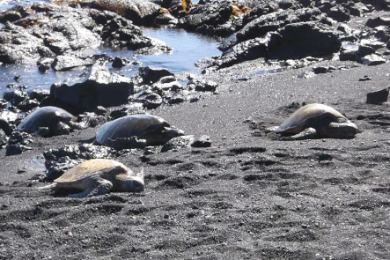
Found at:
<point>136,131</point>
<point>316,121</point>
<point>56,119</point>
<point>98,177</point>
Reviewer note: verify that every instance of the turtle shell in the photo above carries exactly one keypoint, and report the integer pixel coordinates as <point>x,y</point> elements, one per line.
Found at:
<point>90,168</point>
<point>311,115</point>
<point>135,125</point>
<point>44,117</point>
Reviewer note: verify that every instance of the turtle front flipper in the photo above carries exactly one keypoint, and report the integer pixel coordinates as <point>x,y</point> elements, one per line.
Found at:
<point>307,133</point>
<point>95,187</point>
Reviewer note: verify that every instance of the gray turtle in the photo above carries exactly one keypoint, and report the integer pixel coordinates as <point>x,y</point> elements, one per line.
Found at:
<point>136,131</point>
<point>316,121</point>
<point>58,120</point>
<point>98,177</point>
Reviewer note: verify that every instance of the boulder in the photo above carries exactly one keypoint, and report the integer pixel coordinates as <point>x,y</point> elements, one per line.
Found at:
<point>66,62</point>
<point>378,97</point>
<point>152,75</point>
<point>102,88</point>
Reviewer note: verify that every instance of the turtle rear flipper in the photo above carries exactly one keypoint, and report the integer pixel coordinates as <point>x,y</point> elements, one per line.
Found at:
<point>125,143</point>
<point>307,133</point>
<point>96,187</point>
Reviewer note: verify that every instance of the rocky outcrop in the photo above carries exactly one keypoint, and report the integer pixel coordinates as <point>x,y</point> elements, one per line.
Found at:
<point>140,12</point>
<point>62,32</point>
<point>102,88</point>
<point>293,41</point>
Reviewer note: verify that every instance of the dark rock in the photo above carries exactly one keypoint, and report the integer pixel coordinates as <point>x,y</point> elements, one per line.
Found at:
<point>20,137</point>
<point>365,78</point>
<point>202,141</point>
<point>28,104</point>
<point>138,11</point>
<point>339,14</point>
<point>275,21</point>
<point>203,85</point>
<point>186,142</point>
<point>260,9</point>
<point>299,40</point>
<point>180,142</point>
<point>152,75</point>
<point>214,13</point>
<point>39,94</point>
<point>378,97</point>
<point>15,96</point>
<point>9,16</point>
<point>349,52</point>
<point>165,19</point>
<point>102,88</point>
<point>130,109</point>
<point>57,161</point>
<point>3,138</point>
<point>101,111</point>
<point>63,63</point>
<point>365,50</point>
<point>15,149</point>
<point>247,50</point>
<point>152,100</point>
<point>3,103</point>
<point>372,60</point>
<point>120,62</point>
<point>378,21</point>
<point>320,70</point>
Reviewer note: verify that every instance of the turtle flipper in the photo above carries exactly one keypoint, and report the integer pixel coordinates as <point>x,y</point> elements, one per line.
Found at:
<point>271,129</point>
<point>95,188</point>
<point>307,133</point>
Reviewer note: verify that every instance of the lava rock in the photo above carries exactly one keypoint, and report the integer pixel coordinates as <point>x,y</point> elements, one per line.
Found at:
<point>63,63</point>
<point>152,75</point>
<point>372,60</point>
<point>120,62</point>
<point>102,88</point>
<point>378,97</point>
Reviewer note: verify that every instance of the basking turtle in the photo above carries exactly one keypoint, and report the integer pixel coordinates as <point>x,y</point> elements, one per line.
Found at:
<point>98,177</point>
<point>316,120</point>
<point>56,119</point>
<point>136,131</point>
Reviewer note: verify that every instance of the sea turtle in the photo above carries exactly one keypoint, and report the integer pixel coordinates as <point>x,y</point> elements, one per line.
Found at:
<point>56,119</point>
<point>98,177</point>
<point>316,120</point>
<point>136,131</point>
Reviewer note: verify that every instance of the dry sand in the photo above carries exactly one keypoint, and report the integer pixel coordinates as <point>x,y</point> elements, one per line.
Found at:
<point>249,196</point>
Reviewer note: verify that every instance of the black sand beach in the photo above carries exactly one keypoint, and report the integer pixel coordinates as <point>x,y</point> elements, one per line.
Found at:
<point>248,196</point>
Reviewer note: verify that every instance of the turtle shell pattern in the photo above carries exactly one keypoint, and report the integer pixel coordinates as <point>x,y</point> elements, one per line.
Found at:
<point>90,168</point>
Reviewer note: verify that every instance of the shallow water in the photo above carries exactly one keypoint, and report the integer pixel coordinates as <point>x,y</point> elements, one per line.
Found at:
<point>187,49</point>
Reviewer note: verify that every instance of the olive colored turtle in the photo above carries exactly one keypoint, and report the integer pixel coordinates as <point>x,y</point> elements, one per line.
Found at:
<point>56,119</point>
<point>98,177</point>
<point>316,121</point>
<point>136,131</point>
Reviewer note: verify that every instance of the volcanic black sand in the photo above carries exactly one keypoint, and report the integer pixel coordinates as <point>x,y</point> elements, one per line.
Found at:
<point>249,196</point>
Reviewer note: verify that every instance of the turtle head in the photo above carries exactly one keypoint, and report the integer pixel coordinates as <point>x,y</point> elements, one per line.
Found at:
<point>133,183</point>
<point>172,132</point>
<point>343,130</point>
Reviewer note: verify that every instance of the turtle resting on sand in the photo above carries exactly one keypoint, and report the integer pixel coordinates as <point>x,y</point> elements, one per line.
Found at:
<point>136,131</point>
<point>316,121</point>
<point>56,119</point>
<point>98,177</point>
